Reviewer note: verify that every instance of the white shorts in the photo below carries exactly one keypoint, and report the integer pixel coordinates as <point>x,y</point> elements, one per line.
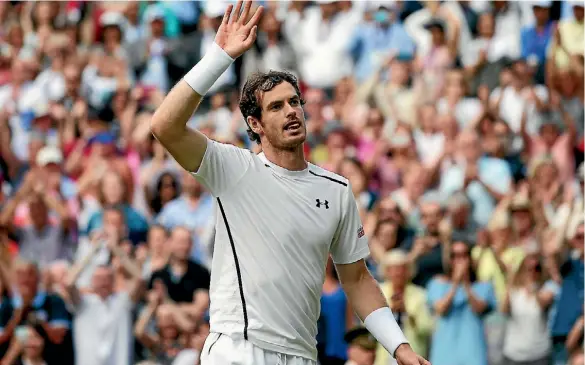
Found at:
<point>220,349</point>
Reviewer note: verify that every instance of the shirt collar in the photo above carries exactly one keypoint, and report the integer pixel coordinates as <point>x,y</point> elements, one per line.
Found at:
<point>37,302</point>
<point>281,170</point>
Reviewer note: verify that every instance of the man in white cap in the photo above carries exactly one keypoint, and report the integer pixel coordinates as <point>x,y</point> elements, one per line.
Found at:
<point>279,217</point>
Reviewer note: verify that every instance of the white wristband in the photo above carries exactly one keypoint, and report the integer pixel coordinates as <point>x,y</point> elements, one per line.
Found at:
<point>206,72</point>
<point>383,327</point>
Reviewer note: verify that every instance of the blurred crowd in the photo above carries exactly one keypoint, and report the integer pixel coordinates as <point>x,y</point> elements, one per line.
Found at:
<point>459,125</point>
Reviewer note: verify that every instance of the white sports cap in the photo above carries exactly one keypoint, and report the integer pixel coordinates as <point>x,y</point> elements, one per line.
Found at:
<point>49,154</point>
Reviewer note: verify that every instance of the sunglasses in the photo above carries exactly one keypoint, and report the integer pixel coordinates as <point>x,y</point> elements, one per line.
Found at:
<point>455,255</point>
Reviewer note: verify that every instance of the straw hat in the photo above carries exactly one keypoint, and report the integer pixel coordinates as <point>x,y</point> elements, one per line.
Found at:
<point>394,258</point>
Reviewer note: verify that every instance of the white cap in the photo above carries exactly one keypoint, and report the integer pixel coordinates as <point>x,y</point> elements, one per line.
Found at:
<point>215,9</point>
<point>154,12</point>
<point>110,18</point>
<point>375,4</point>
<point>325,1</point>
<point>542,4</point>
<point>49,154</point>
<point>41,109</point>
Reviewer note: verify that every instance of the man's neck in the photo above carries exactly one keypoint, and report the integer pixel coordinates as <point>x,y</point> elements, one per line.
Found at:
<point>178,266</point>
<point>293,160</point>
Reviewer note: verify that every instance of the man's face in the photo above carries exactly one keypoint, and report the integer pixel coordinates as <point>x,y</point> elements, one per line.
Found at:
<point>541,14</point>
<point>103,281</point>
<point>156,239</point>
<point>578,12</point>
<point>181,243</point>
<point>398,274</point>
<point>283,121</point>
<point>72,77</point>
<point>190,185</point>
<point>522,220</point>
<point>38,211</point>
<point>27,278</point>
<point>114,220</point>
<point>431,216</point>
<point>549,133</point>
<point>470,147</point>
<point>360,356</point>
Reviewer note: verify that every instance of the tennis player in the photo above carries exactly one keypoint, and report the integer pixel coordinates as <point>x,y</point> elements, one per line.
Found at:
<point>279,218</point>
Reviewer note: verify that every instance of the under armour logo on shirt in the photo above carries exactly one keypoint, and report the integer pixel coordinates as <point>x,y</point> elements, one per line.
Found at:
<point>324,203</point>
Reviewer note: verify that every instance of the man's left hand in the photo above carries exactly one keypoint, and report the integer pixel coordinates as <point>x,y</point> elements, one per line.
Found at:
<point>404,355</point>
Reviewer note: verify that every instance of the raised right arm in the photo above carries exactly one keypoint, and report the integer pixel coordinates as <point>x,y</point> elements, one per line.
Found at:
<point>169,122</point>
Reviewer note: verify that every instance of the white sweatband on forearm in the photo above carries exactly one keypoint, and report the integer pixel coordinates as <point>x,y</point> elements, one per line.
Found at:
<point>206,72</point>
<point>383,327</point>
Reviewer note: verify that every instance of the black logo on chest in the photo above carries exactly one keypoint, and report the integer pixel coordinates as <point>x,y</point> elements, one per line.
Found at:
<point>323,203</point>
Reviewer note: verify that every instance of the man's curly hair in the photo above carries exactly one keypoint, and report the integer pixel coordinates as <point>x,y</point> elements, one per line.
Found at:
<point>251,97</point>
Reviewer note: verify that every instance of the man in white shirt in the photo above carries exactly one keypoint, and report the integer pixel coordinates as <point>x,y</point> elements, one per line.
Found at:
<point>103,318</point>
<point>279,218</point>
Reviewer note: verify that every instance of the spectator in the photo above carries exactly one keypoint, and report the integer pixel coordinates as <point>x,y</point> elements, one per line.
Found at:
<point>155,253</point>
<point>476,175</point>
<point>535,39</point>
<point>186,282</point>
<point>30,305</point>
<point>41,239</point>
<point>103,321</point>
<point>374,41</point>
<point>336,316</point>
<point>569,274</point>
<point>192,209</point>
<point>361,347</point>
<point>526,305</point>
<point>407,301</point>
<point>28,347</point>
<point>460,301</point>
<point>454,121</point>
<point>427,251</point>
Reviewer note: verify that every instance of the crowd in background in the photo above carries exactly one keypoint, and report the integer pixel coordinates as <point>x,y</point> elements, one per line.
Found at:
<point>459,125</point>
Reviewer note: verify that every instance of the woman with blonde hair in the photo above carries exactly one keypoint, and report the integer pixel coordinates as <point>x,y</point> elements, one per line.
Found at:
<point>407,301</point>
<point>527,340</point>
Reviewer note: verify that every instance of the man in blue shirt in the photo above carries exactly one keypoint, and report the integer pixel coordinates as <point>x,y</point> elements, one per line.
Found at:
<point>485,180</point>
<point>535,39</point>
<point>373,42</point>
<point>30,306</point>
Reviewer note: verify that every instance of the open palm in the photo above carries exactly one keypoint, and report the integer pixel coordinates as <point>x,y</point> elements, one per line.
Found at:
<point>235,36</point>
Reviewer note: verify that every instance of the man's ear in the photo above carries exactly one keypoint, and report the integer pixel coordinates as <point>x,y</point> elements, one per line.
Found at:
<point>255,125</point>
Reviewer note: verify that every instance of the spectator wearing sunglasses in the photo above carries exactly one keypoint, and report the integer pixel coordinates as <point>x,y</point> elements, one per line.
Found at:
<point>460,302</point>
<point>526,339</point>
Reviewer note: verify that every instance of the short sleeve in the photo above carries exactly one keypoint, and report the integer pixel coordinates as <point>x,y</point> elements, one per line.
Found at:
<point>222,167</point>
<point>204,279</point>
<point>435,291</point>
<point>59,316</point>
<point>553,287</point>
<point>500,177</point>
<point>350,243</point>
<point>5,313</point>
<point>485,292</point>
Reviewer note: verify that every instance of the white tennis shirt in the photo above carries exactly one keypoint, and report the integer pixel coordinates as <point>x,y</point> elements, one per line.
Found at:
<point>274,231</point>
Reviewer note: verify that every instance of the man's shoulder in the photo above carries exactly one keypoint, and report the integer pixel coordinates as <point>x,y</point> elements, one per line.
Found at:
<point>325,176</point>
<point>196,268</point>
